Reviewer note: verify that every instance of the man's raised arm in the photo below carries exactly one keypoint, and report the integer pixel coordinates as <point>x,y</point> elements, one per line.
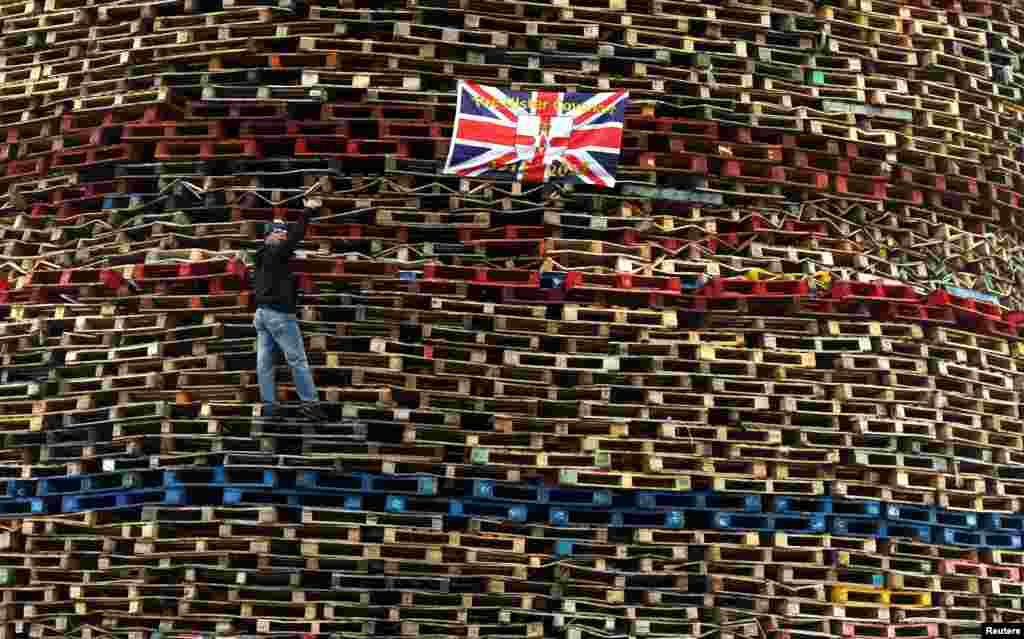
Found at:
<point>298,232</point>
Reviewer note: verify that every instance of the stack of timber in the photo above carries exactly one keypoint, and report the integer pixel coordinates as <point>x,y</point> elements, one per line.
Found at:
<point>766,387</point>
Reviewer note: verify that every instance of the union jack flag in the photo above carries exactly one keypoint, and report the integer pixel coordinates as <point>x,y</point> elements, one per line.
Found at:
<point>538,136</point>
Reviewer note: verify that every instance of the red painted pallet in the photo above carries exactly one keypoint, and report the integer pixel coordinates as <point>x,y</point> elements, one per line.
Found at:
<point>874,291</point>
<point>206,150</point>
<point>722,287</point>
<point>479,275</point>
<point>623,282</point>
<point>174,131</point>
<point>985,310</point>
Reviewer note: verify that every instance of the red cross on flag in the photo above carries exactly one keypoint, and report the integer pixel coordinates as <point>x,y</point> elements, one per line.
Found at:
<point>538,136</point>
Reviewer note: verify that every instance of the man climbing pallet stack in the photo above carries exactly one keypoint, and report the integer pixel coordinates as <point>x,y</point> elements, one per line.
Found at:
<point>276,295</point>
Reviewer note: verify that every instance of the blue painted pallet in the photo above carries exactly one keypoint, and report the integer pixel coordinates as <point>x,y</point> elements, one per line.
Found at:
<point>473,508</point>
<point>784,505</point>
<point>422,505</point>
<point>345,501</point>
<point>503,491</point>
<point>18,488</point>
<point>930,516</point>
<point>104,501</point>
<point>999,523</point>
<point>538,494</point>
<point>864,527</point>
<point>978,539</point>
<point>33,506</point>
<point>617,518</point>
<point>699,501</point>
<point>956,519</point>
<point>910,514</point>
<point>314,480</point>
<point>100,482</point>
<point>221,476</point>
<point>814,523</point>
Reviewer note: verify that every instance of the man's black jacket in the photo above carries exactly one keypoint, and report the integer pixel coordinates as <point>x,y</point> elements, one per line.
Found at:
<point>274,286</point>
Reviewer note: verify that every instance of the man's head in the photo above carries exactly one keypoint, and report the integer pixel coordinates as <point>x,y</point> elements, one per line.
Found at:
<point>277,233</point>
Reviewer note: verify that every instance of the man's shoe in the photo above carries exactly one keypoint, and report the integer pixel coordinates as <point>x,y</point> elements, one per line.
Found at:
<point>312,411</point>
<point>271,411</point>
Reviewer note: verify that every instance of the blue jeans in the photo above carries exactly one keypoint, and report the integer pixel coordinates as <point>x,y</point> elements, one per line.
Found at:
<point>276,330</point>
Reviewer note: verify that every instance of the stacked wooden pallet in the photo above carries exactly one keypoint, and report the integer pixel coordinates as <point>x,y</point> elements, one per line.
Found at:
<point>768,385</point>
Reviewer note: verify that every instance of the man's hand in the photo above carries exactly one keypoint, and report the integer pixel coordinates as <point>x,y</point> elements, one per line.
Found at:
<point>313,202</point>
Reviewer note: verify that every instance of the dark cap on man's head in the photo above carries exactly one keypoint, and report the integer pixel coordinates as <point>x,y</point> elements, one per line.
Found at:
<point>275,227</point>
